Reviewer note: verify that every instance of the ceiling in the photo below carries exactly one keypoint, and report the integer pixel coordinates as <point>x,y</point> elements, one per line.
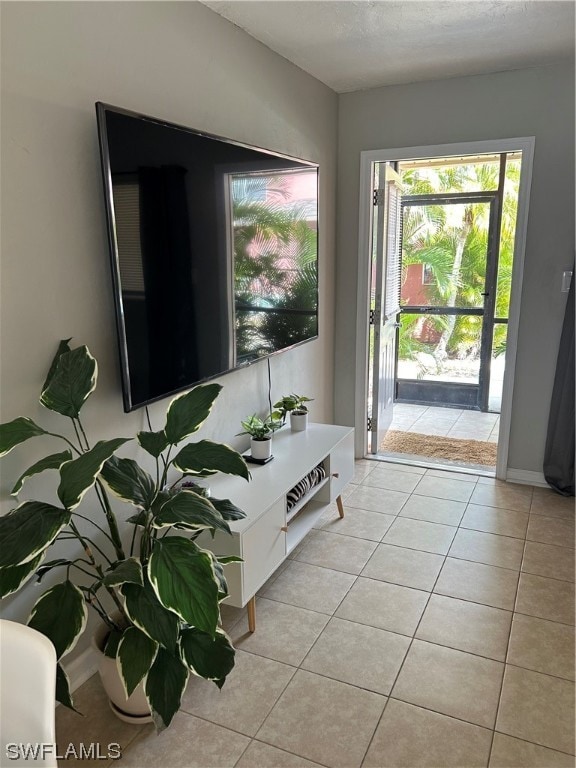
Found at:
<point>362,44</point>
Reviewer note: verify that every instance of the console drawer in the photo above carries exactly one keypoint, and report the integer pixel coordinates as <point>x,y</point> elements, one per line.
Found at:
<point>263,547</point>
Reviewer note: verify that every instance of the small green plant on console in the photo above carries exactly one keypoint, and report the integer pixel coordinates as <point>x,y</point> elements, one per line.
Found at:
<point>291,404</point>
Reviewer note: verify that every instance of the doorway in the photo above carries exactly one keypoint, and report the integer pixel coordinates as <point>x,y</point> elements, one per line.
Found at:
<point>449,241</point>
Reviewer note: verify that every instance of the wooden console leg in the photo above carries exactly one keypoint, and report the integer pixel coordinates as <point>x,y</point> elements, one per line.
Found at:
<point>340,506</point>
<point>251,608</point>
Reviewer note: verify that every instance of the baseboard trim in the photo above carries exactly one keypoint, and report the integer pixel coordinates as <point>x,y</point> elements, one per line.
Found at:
<point>526,477</point>
<point>81,668</point>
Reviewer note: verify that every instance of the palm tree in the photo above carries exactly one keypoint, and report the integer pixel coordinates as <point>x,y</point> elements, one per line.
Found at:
<point>454,251</point>
<point>275,267</point>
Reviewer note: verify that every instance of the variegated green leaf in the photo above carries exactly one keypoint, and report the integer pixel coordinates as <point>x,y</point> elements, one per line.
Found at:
<point>183,579</point>
<point>15,576</point>
<point>125,571</point>
<point>15,432</point>
<point>63,694</point>
<point>138,519</point>
<point>63,346</point>
<point>209,657</point>
<point>79,475</point>
<point>148,614</point>
<point>28,530</point>
<point>153,442</point>
<point>71,382</point>
<point>61,615</point>
<point>187,412</point>
<point>112,643</point>
<point>187,509</point>
<point>164,687</point>
<point>129,482</point>
<point>228,510</point>
<point>136,652</point>
<point>54,461</point>
<point>207,455</point>
<point>44,569</point>
<point>220,578</point>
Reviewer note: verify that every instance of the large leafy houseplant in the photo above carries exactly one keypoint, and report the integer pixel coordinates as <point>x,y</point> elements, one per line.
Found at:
<point>159,595</point>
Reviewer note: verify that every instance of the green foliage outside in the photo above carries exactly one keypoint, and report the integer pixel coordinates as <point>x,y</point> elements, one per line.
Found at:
<point>275,268</point>
<point>451,242</point>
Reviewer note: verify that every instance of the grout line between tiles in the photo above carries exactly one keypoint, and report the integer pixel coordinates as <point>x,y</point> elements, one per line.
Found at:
<point>506,653</point>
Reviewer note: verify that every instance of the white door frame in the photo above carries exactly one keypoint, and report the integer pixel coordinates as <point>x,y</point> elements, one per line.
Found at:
<point>367,160</point>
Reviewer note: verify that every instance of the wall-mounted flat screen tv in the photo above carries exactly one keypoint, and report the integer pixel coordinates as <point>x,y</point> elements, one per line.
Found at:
<point>214,252</point>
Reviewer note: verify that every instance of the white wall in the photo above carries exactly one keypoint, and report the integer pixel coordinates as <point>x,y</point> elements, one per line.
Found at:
<point>534,102</point>
<point>177,61</point>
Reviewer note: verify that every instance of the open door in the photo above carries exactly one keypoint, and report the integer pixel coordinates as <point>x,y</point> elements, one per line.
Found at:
<point>385,301</point>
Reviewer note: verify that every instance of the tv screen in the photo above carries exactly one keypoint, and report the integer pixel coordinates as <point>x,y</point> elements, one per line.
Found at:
<point>214,252</point>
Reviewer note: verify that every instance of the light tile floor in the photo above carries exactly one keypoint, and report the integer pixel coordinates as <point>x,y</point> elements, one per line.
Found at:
<point>433,626</point>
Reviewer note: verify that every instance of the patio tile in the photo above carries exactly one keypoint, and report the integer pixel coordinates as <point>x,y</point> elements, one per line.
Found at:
<point>450,682</point>
<point>324,720</point>
<point>537,708</point>
<point>430,429</point>
<point>406,567</point>
<point>470,432</point>
<point>409,736</point>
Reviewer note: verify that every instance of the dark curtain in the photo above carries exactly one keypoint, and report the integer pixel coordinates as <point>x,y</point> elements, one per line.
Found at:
<point>559,453</point>
<point>167,262</point>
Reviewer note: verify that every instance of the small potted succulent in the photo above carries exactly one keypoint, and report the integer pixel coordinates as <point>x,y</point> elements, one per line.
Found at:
<point>295,406</point>
<point>261,431</point>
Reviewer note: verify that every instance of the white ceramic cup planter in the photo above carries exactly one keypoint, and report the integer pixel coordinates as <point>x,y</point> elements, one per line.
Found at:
<point>298,421</point>
<point>261,449</point>
<point>134,709</point>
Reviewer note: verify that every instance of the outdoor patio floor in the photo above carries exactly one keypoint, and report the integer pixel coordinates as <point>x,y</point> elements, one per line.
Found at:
<point>445,422</point>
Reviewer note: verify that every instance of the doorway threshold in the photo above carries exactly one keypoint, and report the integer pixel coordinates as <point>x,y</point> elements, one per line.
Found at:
<point>429,463</point>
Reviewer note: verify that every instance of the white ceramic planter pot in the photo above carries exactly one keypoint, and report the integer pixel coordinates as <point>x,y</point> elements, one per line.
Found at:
<point>134,709</point>
<point>298,421</point>
<point>261,449</point>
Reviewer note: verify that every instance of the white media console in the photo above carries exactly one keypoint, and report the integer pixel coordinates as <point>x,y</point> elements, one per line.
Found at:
<point>269,533</point>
